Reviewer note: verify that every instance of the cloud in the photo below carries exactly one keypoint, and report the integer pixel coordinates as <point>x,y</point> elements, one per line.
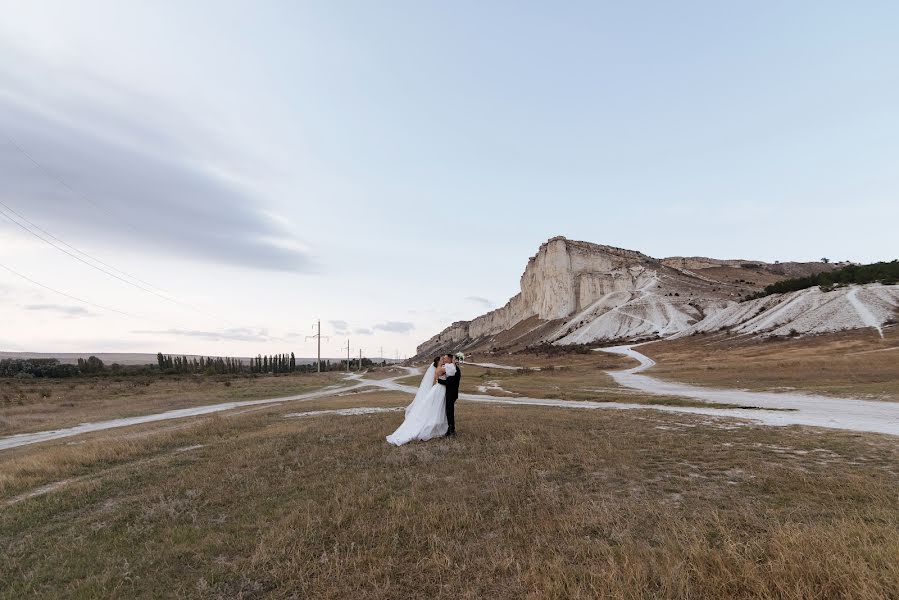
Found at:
<point>395,327</point>
<point>71,311</point>
<point>480,301</point>
<point>235,334</point>
<point>113,166</point>
<point>340,327</point>
<point>363,331</point>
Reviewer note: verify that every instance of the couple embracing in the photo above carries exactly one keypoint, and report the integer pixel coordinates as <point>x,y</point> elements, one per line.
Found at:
<point>433,411</point>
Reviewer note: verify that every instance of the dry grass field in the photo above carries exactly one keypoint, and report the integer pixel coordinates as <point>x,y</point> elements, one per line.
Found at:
<point>526,502</point>
<point>40,404</point>
<point>582,379</point>
<point>567,376</point>
<point>852,363</point>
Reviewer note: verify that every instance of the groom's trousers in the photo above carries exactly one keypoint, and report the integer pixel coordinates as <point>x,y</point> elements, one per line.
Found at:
<point>451,415</point>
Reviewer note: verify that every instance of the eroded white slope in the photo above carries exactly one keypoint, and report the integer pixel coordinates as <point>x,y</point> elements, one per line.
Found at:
<point>806,311</point>
<point>643,312</point>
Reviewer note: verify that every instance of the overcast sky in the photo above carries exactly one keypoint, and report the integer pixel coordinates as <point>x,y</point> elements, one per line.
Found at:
<point>388,167</point>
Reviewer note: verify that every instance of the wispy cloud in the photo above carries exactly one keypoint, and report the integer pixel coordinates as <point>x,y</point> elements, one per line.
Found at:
<point>479,300</point>
<point>340,327</point>
<point>71,311</point>
<point>395,326</point>
<point>235,334</point>
<point>363,331</point>
<point>111,165</point>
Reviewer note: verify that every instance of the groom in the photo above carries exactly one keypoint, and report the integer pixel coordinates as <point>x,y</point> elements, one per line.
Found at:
<point>452,393</point>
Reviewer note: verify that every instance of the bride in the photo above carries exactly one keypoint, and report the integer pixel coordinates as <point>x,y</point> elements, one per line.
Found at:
<point>426,416</point>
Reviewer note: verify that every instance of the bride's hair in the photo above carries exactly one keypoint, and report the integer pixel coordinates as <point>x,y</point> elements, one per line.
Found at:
<point>436,360</point>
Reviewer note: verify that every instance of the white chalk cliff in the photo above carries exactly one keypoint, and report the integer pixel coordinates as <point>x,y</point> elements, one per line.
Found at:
<point>579,292</point>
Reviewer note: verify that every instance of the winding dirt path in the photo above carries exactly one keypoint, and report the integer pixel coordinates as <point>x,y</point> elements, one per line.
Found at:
<point>804,409</point>
<point>24,439</point>
<point>788,409</point>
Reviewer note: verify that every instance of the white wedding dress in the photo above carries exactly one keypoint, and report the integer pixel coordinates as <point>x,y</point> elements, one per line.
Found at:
<point>426,416</point>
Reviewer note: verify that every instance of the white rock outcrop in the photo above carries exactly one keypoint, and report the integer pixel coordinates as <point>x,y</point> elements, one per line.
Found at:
<point>578,292</point>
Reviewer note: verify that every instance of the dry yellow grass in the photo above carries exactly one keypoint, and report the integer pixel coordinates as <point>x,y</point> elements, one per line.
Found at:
<point>526,503</point>
<point>567,377</point>
<point>853,363</point>
<point>30,467</point>
<point>40,404</point>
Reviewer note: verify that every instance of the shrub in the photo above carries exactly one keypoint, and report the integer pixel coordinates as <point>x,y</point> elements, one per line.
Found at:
<point>884,272</point>
<point>554,350</point>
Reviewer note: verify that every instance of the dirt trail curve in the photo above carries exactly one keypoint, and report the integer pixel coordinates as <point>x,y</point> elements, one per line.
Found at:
<point>804,409</point>
<point>796,409</point>
<point>24,439</point>
<point>782,409</point>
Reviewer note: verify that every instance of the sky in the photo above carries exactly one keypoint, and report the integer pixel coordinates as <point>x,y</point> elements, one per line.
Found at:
<point>245,169</point>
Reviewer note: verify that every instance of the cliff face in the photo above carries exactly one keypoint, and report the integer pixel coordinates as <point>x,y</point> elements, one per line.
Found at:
<point>562,278</point>
<point>578,292</point>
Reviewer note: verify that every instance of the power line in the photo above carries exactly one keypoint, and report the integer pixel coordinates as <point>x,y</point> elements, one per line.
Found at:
<point>102,209</point>
<point>76,298</point>
<point>86,198</point>
<point>347,355</point>
<point>68,245</point>
<point>78,258</point>
<point>62,182</point>
<point>104,271</point>
<point>319,337</point>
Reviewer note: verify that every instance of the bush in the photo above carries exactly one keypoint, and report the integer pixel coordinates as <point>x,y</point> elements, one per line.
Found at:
<point>549,349</point>
<point>884,272</point>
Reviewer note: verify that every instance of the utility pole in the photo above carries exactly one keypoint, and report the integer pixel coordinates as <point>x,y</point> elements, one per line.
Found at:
<point>360,359</point>
<point>347,355</point>
<point>318,336</point>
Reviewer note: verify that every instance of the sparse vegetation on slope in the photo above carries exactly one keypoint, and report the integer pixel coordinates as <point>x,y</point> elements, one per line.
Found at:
<point>883,272</point>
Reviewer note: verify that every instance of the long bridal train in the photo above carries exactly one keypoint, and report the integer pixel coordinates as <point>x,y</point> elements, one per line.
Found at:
<point>426,415</point>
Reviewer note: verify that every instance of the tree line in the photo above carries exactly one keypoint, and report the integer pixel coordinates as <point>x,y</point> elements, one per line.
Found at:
<point>222,365</point>
<point>168,364</point>
<point>37,367</point>
<point>883,272</point>
<point>54,369</point>
<point>208,365</point>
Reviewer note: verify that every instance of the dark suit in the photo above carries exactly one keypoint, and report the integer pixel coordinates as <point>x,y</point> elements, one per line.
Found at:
<point>452,394</point>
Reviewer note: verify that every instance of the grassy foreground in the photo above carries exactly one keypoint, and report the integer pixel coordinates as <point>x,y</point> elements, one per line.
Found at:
<point>37,404</point>
<point>526,502</point>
